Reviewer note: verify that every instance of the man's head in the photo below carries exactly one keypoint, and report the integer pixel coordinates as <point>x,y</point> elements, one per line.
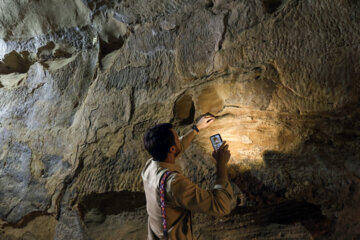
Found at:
<point>162,140</point>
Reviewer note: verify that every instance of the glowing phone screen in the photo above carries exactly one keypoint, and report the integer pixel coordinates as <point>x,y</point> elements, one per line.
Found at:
<point>216,141</point>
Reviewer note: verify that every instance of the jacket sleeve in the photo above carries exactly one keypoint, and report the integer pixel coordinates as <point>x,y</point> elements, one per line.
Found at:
<point>188,195</point>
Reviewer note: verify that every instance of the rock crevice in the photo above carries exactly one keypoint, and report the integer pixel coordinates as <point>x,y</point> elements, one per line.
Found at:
<point>81,82</point>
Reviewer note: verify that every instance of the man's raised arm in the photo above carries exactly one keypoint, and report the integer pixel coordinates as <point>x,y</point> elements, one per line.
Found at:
<point>204,122</point>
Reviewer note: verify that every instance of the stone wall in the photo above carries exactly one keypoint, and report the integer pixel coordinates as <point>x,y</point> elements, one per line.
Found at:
<point>81,81</point>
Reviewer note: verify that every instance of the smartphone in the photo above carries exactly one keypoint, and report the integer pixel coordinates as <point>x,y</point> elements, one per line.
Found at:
<point>216,141</point>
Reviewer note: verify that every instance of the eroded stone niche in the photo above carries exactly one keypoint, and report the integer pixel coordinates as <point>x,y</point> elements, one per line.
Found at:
<point>184,110</point>
<point>81,82</point>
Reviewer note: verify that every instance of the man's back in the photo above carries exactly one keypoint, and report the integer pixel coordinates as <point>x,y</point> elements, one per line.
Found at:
<point>182,197</point>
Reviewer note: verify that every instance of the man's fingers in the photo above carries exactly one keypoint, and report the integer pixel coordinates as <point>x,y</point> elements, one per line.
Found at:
<point>223,145</point>
<point>227,154</point>
<point>210,120</point>
<point>220,147</point>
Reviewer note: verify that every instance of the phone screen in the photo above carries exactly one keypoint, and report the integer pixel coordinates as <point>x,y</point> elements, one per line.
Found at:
<point>216,141</point>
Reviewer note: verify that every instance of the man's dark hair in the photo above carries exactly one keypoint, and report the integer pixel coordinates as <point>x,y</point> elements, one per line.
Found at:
<point>158,140</point>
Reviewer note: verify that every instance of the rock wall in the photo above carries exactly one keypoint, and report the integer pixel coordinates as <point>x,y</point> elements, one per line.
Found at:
<point>81,81</point>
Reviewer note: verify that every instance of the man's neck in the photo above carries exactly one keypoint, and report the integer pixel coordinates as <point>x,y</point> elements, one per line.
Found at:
<point>170,159</point>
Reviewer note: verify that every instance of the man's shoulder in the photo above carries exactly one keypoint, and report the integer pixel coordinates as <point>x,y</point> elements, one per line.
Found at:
<point>176,179</point>
<point>146,167</point>
<point>149,161</point>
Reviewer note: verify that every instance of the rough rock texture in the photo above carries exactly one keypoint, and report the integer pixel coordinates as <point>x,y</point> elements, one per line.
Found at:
<point>81,81</point>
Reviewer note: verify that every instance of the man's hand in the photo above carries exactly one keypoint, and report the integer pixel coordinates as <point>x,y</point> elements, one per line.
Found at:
<point>204,122</point>
<point>222,156</point>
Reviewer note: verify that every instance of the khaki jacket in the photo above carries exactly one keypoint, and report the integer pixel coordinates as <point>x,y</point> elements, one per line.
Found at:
<point>181,198</point>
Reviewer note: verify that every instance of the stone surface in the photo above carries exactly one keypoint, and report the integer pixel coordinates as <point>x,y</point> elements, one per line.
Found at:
<point>81,82</point>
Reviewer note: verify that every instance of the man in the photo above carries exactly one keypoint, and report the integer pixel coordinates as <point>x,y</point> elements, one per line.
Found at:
<point>181,195</point>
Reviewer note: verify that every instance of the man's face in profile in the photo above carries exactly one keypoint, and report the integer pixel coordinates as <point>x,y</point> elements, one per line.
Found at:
<point>177,143</point>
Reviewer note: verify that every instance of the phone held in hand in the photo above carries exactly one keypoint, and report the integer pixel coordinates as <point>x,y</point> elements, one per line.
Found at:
<point>216,141</point>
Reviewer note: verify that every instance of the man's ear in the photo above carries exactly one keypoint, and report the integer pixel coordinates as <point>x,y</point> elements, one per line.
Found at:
<point>172,149</point>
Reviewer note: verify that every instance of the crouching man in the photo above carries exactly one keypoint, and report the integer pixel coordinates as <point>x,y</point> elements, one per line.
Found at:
<point>170,196</point>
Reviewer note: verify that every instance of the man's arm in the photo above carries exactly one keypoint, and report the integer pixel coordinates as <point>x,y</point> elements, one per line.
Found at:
<point>187,139</point>
<point>189,136</point>
<point>188,195</point>
<point>217,202</point>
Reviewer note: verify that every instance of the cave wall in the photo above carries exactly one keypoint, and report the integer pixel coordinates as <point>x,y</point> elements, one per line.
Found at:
<point>81,81</point>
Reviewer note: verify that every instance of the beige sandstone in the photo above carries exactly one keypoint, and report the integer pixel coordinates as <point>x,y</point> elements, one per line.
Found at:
<point>81,82</point>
